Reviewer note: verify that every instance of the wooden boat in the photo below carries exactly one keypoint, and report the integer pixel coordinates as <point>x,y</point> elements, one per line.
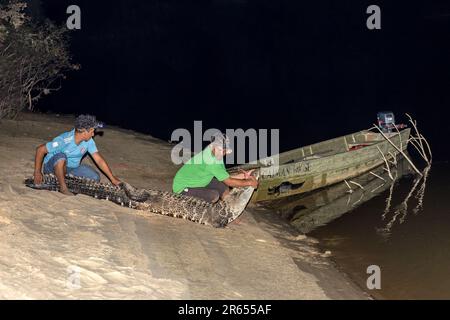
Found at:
<point>323,164</point>
<point>309,211</point>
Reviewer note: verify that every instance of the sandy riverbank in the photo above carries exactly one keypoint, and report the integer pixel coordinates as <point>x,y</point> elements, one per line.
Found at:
<point>122,253</point>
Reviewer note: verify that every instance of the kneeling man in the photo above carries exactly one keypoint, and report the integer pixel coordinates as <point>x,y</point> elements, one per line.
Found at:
<point>204,176</point>
<point>63,155</point>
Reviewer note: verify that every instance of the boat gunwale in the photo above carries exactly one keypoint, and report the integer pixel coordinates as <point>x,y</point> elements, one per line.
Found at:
<point>357,151</point>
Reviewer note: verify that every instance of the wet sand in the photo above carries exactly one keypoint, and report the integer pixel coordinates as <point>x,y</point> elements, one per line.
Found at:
<point>120,253</point>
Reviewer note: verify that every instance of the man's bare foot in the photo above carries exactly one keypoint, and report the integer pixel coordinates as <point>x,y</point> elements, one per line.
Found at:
<point>66,192</point>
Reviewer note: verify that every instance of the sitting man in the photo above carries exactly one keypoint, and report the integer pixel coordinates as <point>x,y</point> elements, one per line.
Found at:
<point>204,176</point>
<point>63,155</point>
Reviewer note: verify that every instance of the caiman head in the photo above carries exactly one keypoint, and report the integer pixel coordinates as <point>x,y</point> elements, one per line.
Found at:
<point>238,198</point>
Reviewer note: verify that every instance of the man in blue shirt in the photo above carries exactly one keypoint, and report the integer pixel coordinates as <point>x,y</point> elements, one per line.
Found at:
<point>64,153</point>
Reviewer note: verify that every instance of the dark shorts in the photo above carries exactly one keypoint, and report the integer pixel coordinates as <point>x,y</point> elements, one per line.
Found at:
<point>83,171</point>
<point>211,193</point>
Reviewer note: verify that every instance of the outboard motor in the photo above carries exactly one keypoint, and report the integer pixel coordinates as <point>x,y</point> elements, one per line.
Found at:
<point>386,121</point>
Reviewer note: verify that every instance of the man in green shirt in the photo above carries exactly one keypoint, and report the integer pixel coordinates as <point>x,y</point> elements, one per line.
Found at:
<point>204,176</point>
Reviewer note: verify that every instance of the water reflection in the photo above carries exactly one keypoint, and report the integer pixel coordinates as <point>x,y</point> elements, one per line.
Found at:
<point>400,226</point>
<point>401,211</point>
<point>310,211</point>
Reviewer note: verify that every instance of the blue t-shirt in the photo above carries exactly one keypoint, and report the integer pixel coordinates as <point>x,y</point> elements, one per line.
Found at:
<point>66,143</point>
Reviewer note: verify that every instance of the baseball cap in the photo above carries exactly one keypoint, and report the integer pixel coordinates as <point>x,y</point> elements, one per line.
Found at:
<point>221,141</point>
<point>86,121</point>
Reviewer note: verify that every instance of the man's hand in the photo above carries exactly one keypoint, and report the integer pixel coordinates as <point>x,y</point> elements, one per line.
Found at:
<point>246,174</point>
<point>38,177</point>
<point>115,181</point>
<point>253,182</point>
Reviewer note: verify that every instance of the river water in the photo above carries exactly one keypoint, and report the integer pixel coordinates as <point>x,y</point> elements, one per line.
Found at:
<point>402,226</point>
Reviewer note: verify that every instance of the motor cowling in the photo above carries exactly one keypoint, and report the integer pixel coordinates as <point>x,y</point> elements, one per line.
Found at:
<point>386,121</point>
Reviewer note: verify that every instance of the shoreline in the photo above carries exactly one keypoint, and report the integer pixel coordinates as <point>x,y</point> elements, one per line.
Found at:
<point>351,279</point>
<point>331,277</point>
<point>125,254</point>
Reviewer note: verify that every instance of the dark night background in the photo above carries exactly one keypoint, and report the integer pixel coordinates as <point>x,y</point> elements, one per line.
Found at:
<point>310,68</point>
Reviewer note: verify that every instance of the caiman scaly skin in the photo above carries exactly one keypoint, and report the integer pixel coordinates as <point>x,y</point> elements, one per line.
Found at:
<point>156,201</point>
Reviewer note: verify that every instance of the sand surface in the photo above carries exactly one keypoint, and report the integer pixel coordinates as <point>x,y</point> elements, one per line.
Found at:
<point>58,247</point>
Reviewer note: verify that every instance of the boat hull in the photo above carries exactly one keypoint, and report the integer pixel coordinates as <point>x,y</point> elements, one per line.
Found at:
<point>356,154</point>
<point>307,212</point>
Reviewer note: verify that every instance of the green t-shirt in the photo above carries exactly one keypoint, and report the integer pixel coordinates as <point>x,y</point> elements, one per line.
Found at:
<point>199,171</point>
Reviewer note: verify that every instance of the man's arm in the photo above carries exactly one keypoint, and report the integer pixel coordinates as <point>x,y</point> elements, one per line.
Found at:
<point>41,151</point>
<point>233,182</point>
<point>101,163</point>
<point>243,175</point>
<point>239,176</point>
